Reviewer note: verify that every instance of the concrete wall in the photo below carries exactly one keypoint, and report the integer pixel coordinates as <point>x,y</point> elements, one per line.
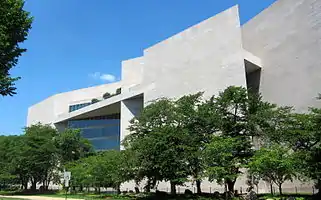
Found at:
<point>129,109</point>
<point>42,112</point>
<point>206,57</point>
<point>49,109</point>
<point>287,38</point>
<point>132,72</point>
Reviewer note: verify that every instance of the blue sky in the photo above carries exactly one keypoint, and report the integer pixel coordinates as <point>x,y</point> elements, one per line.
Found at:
<point>75,44</point>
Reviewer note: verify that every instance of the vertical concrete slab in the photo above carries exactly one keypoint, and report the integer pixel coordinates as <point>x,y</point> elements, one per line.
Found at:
<point>206,57</point>
<point>132,73</point>
<point>129,109</point>
<point>287,38</point>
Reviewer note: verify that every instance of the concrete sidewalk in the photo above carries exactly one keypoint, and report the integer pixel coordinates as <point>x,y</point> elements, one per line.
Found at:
<point>36,198</point>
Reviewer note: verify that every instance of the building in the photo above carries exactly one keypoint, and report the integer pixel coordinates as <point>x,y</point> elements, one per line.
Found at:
<point>277,53</point>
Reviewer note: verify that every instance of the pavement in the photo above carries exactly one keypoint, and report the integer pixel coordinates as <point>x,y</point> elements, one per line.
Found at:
<point>36,198</point>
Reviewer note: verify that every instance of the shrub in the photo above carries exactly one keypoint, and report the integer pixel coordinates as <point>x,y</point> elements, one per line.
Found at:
<point>107,95</point>
<point>94,100</point>
<point>118,91</point>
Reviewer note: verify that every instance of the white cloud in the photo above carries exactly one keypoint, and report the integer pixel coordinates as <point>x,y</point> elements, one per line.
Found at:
<point>103,77</point>
<point>107,77</point>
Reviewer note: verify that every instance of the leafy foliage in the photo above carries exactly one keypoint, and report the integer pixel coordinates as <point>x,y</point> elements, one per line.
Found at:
<point>225,157</point>
<point>15,24</point>
<point>106,169</point>
<point>158,144</point>
<point>240,117</point>
<point>275,164</point>
<point>106,95</point>
<point>180,140</point>
<point>71,146</point>
<point>36,155</point>
<point>118,91</point>
<point>94,101</point>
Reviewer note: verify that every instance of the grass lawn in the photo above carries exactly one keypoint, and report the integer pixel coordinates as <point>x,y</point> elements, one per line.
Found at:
<point>160,196</point>
<point>84,196</point>
<point>2,198</point>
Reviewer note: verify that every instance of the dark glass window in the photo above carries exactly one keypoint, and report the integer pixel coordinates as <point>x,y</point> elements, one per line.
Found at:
<point>78,106</point>
<point>103,132</point>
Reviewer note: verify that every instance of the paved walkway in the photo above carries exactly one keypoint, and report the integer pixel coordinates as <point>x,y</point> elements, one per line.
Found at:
<point>36,198</point>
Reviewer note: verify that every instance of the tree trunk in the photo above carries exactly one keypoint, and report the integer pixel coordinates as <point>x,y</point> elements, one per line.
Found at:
<point>225,191</point>
<point>318,187</point>
<point>198,186</point>
<point>257,189</point>
<point>33,185</point>
<point>280,188</point>
<point>173,188</point>
<point>137,190</point>
<point>118,189</point>
<point>271,188</point>
<point>230,185</point>
<point>147,186</point>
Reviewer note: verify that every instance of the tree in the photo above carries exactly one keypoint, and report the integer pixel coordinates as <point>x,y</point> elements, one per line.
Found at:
<point>80,175</point>
<point>198,120</point>
<point>158,145</point>
<point>301,132</point>
<point>7,165</point>
<point>71,146</point>
<point>241,117</point>
<point>106,169</point>
<point>15,24</point>
<point>40,154</point>
<point>225,156</point>
<point>275,164</point>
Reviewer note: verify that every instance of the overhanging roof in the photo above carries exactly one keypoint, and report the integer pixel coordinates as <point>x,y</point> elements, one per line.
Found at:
<point>110,103</point>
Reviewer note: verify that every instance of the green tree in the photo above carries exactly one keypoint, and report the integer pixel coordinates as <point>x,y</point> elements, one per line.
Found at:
<point>40,154</point>
<point>198,120</point>
<point>158,145</point>
<point>15,24</point>
<point>106,169</point>
<point>242,116</point>
<point>72,146</point>
<point>275,164</point>
<point>300,132</point>
<point>7,165</point>
<point>80,175</point>
<point>225,156</point>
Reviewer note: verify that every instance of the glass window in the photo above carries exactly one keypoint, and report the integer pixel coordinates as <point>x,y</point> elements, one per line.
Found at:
<point>78,106</point>
<point>93,123</point>
<point>104,133</point>
<point>104,144</point>
<point>110,131</point>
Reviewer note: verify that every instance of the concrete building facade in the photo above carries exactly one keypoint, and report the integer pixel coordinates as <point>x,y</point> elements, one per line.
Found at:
<point>277,53</point>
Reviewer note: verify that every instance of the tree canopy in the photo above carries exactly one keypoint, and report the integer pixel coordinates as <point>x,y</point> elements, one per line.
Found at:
<point>275,164</point>
<point>39,154</point>
<point>178,140</point>
<point>15,24</point>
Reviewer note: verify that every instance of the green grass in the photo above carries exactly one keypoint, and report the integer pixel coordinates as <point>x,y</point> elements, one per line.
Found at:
<point>2,198</point>
<point>302,196</point>
<point>85,196</point>
<point>61,195</point>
